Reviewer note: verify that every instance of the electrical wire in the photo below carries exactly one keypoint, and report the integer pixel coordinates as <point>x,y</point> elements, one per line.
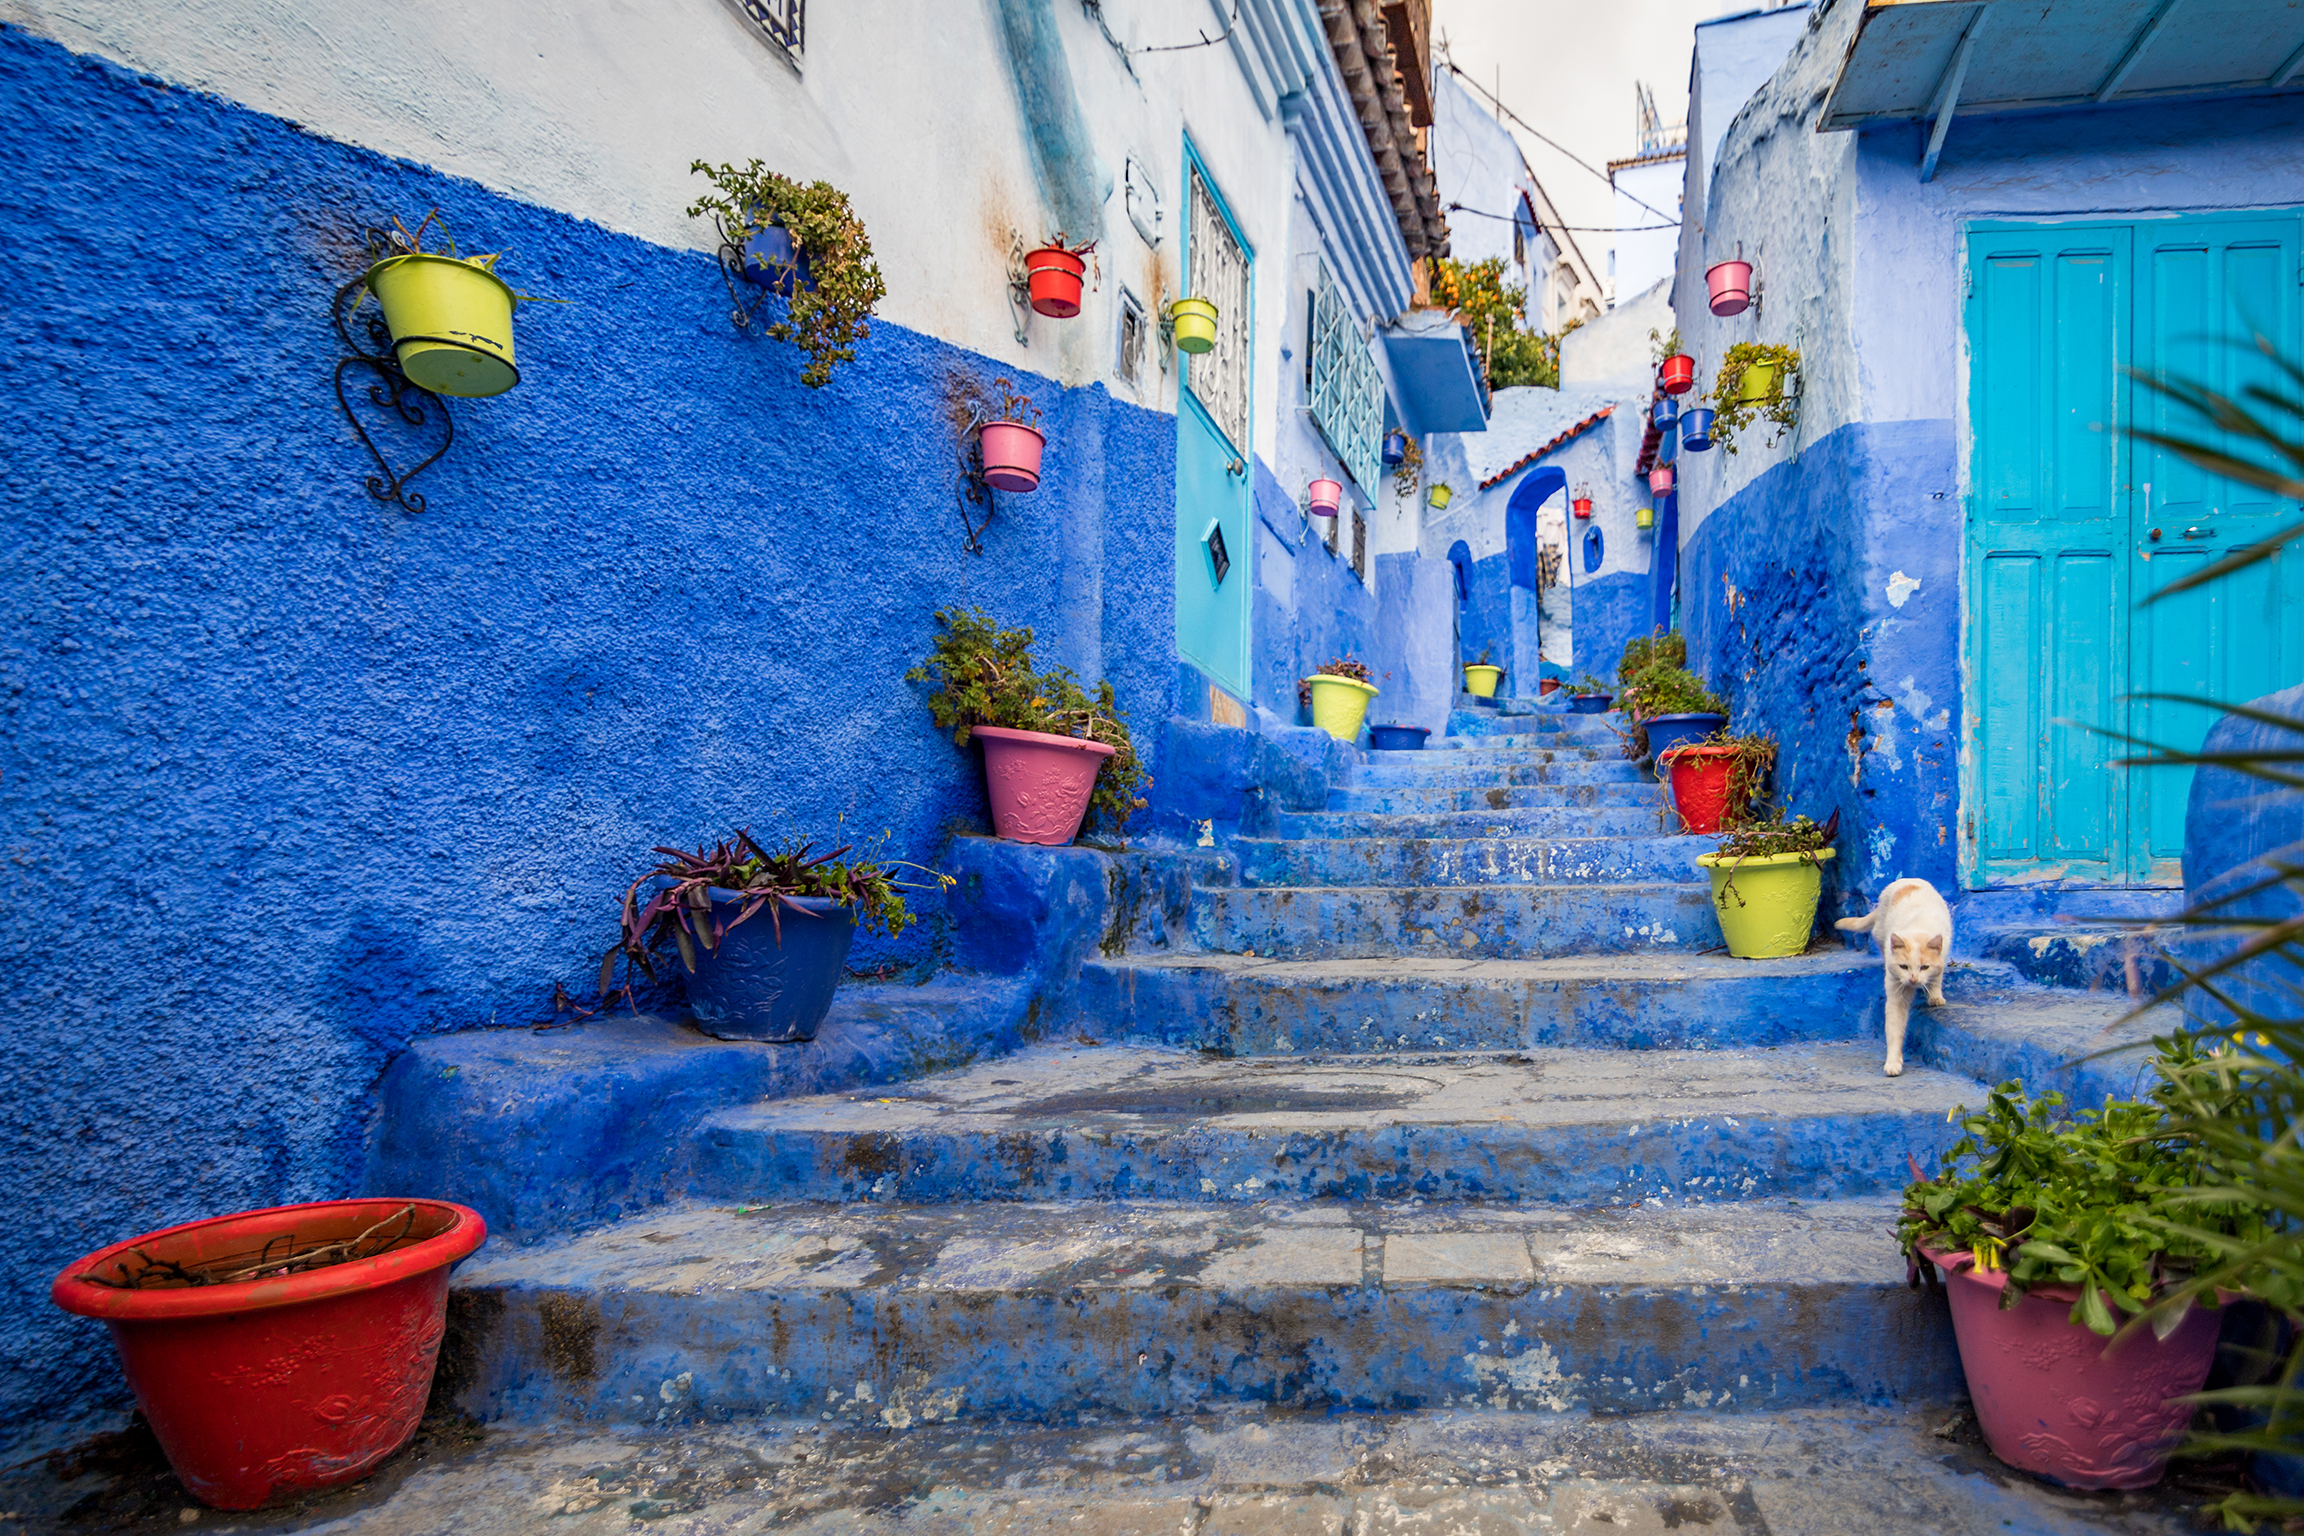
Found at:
<point>1497,102</point>
<point>1573,229</point>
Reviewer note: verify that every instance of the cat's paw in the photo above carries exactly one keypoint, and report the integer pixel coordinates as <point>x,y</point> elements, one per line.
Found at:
<point>1894,1067</point>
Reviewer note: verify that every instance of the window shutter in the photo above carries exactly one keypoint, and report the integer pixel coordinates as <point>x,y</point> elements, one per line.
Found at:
<point>1347,392</point>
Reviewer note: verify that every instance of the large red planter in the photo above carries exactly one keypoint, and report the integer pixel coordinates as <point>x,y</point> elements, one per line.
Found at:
<point>1011,455</point>
<point>1729,283</point>
<point>260,1390</point>
<point>1052,275</point>
<point>1699,784</point>
<point>2053,1400</point>
<point>1678,375</point>
<point>1039,783</point>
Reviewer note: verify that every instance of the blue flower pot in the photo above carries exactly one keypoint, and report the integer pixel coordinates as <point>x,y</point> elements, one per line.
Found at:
<point>773,246</point>
<point>1395,448</point>
<point>1590,703</point>
<point>1397,738</point>
<point>761,986</point>
<point>1668,731</point>
<point>1665,411</point>
<point>1696,429</point>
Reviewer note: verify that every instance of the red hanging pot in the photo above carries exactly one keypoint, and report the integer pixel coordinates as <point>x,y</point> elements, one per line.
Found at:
<point>1327,495</point>
<point>1583,506</point>
<point>1011,455</point>
<point>1678,375</point>
<point>260,1390</point>
<point>1053,274</point>
<point>1699,784</point>
<point>1730,285</point>
<point>1660,479</point>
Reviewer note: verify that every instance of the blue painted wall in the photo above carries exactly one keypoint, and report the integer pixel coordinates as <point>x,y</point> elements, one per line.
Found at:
<point>1310,607</point>
<point>291,778</point>
<point>2234,823</point>
<point>1788,615</point>
<point>1608,610</point>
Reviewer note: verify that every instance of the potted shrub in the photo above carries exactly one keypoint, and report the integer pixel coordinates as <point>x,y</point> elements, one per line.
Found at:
<point>762,936</point>
<point>1193,323</point>
<point>1053,275</point>
<point>1766,880</point>
<point>1751,388</point>
<point>822,265</point>
<point>1714,782</point>
<point>1326,496</point>
<point>450,316</point>
<point>1729,286</point>
<point>1009,445</point>
<point>2048,1229</point>
<point>1054,754</point>
<point>1588,695</point>
<point>281,1351</point>
<point>1670,705</point>
<point>1481,677</point>
<point>1338,694</point>
<point>1397,738</point>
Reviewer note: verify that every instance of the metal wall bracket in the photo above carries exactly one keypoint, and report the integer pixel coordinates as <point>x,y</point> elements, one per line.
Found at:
<point>401,401</point>
<point>1019,288</point>
<point>973,490</point>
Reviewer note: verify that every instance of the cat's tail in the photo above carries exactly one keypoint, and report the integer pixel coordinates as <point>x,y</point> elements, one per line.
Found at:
<point>1859,924</point>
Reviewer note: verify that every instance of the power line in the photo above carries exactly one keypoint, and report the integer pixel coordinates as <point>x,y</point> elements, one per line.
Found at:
<point>1498,104</point>
<point>1573,229</point>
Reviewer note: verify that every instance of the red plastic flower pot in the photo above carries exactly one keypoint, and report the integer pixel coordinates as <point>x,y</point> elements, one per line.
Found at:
<point>1327,495</point>
<point>1053,276</point>
<point>1011,455</point>
<point>1699,784</point>
<point>1660,479</point>
<point>1583,505</point>
<point>1730,285</point>
<point>1039,783</point>
<point>2054,1400</point>
<point>1678,375</point>
<point>261,1390</point>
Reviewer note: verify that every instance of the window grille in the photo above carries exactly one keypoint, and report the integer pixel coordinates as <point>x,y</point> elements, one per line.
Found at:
<point>1347,393</point>
<point>778,21</point>
<point>1219,379</point>
<point>1359,546</point>
<point>1131,338</point>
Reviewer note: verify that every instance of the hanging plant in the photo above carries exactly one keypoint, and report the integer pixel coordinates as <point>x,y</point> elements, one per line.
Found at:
<point>1753,386</point>
<point>1411,467</point>
<point>840,283</point>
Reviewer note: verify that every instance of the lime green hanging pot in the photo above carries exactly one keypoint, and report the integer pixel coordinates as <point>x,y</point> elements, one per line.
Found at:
<point>451,323</point>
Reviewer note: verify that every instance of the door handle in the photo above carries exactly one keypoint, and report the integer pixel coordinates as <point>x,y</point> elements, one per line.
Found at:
<point>1239,466</point>
<point>2198,532</point>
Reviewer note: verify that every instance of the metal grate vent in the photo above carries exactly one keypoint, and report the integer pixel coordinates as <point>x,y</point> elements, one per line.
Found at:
<point>778,20</point>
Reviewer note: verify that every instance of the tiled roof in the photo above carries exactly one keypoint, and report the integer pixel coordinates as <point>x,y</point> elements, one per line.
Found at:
<point>1507,473</point>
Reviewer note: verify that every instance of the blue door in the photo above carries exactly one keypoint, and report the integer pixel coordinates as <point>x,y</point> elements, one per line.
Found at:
<point>2070,526</point>
<point>1213,547</point>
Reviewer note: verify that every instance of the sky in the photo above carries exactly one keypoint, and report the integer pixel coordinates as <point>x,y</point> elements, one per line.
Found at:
<point>1568,67</point>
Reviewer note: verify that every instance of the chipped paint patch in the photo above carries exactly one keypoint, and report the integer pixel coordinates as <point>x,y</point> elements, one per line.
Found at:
<point>1900,589</point>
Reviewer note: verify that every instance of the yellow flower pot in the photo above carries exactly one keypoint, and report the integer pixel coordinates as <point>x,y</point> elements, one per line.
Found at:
<point>451,324</point>
<point>1480,681</point>
<point>1767,906</point>
<point>1339,704</point>
<point>1758,383</point>
<point>1195,323</point>
<point>1439,497</point>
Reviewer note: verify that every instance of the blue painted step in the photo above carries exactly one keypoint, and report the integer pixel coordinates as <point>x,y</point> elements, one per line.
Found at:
<point>1471,921</point>
<point>1256,1007</point>
<point>890,1316</point>
<point>1464,724</point>
<point>1382,774</point>
<point>1615,796</point>
<point>1540,821</point>
<point>1551,1125</point>
<point>1470,861</point>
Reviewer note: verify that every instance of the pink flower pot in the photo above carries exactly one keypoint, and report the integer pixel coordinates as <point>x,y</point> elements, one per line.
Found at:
<point>1039,783</point>
<point>1011,455</point>
<point>1730,285</point>
<point>1660,479</point>
<point>2052,1400</point>
<point>1326,496</point>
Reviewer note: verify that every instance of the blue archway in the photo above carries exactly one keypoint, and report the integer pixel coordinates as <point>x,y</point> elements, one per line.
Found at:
<point>1540,485</point>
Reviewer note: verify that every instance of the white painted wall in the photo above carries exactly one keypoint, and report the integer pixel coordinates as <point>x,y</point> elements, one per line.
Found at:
<point>1643,256</point>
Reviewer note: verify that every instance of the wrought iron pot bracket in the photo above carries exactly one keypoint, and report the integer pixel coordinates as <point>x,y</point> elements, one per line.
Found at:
<point>973,489</point>
<point>404,401</point>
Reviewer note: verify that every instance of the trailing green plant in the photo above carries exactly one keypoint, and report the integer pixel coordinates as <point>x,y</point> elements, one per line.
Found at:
<point>678,912</point>
<point>1733,416</point>
<point>1664,688</point>
<point>1751,765</point>
<point>1411,466</point>
<point>1771,833</point>
<point>985,675</point>
<point>826,320</point>
<point>1492,311</point>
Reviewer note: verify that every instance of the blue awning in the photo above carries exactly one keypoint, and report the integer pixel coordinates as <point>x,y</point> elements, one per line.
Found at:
<point>1442,386</point>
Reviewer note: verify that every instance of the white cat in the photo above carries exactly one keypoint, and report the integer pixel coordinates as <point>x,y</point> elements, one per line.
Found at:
<point>1914,930</point>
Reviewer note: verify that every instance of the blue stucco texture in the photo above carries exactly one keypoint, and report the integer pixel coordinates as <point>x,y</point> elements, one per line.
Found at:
<point>1785,602</point>
<point>2235,829</point>
<point>1310,607</point>
<point>293,778</point>
<point>1608,610</point>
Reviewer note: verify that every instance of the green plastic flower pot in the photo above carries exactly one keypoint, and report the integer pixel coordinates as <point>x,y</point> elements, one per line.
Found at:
<point>1767,905</point>
<point>1339,704</point>
<point>1195,322</point>
<point>1758,382</point>
<point>451,324</point>
<point>1480,681</point>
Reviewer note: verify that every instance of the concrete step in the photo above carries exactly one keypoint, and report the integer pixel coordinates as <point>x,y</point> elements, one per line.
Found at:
<point>889,1317</point>
<point>1596,729</point>
<point>1614,795</point>
<point>1387,771</point>
<point>1499,922</point>
<point>2126,960</point>
<point>1517,752</point>
<point>1550,1125</point>
<point>1255,1007</point>
<point>1543,821</point>
<point>1470,861</point>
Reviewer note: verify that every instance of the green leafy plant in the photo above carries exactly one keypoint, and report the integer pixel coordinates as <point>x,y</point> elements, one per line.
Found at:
<point>1751,764</point>
<point>1492,310</point>
<point>985,675</point>
<point>1734,416</point>
<point>1668,646</point>
<point>1587,686</point>
<point>825,321</point>
<point>1663,344</point>
<point>1770,834</point>
<point>1662,688</point>
<point>678,911</point>
<point>400,240</point>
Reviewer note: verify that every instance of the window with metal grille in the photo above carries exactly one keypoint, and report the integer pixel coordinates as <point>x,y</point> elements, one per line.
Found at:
<point>1347,392</point>
<point>1219,379</point>
<point>778,21</point>
<point>1359,546</point>
<point>1131,358</point>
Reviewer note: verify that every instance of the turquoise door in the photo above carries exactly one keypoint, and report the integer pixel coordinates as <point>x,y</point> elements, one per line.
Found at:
<point>2070,526</point>
<point>1213,544</point>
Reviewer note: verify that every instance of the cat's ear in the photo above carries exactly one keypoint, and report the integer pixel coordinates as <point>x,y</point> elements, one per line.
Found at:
<point>1896,942</point>
<point>1934,947</point>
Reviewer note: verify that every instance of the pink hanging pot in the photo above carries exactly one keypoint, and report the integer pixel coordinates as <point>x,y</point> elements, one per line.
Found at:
<point>1011,455</point>
<point>1327,495</point>
<point>1039,783</point>
<point>1730,286</point>
<point>1660,479</point>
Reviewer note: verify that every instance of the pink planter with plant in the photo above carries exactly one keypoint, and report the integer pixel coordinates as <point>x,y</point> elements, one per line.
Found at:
<point>1040,784</point>
<point>1327,495</point>
<point>1660,479</point>
<point>1730,285</point>
<point>2055,1399</point>
<point>1011,455</point>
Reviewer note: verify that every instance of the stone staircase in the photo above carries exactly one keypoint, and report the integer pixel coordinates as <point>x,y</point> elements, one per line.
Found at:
<point>1442,1096</point>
